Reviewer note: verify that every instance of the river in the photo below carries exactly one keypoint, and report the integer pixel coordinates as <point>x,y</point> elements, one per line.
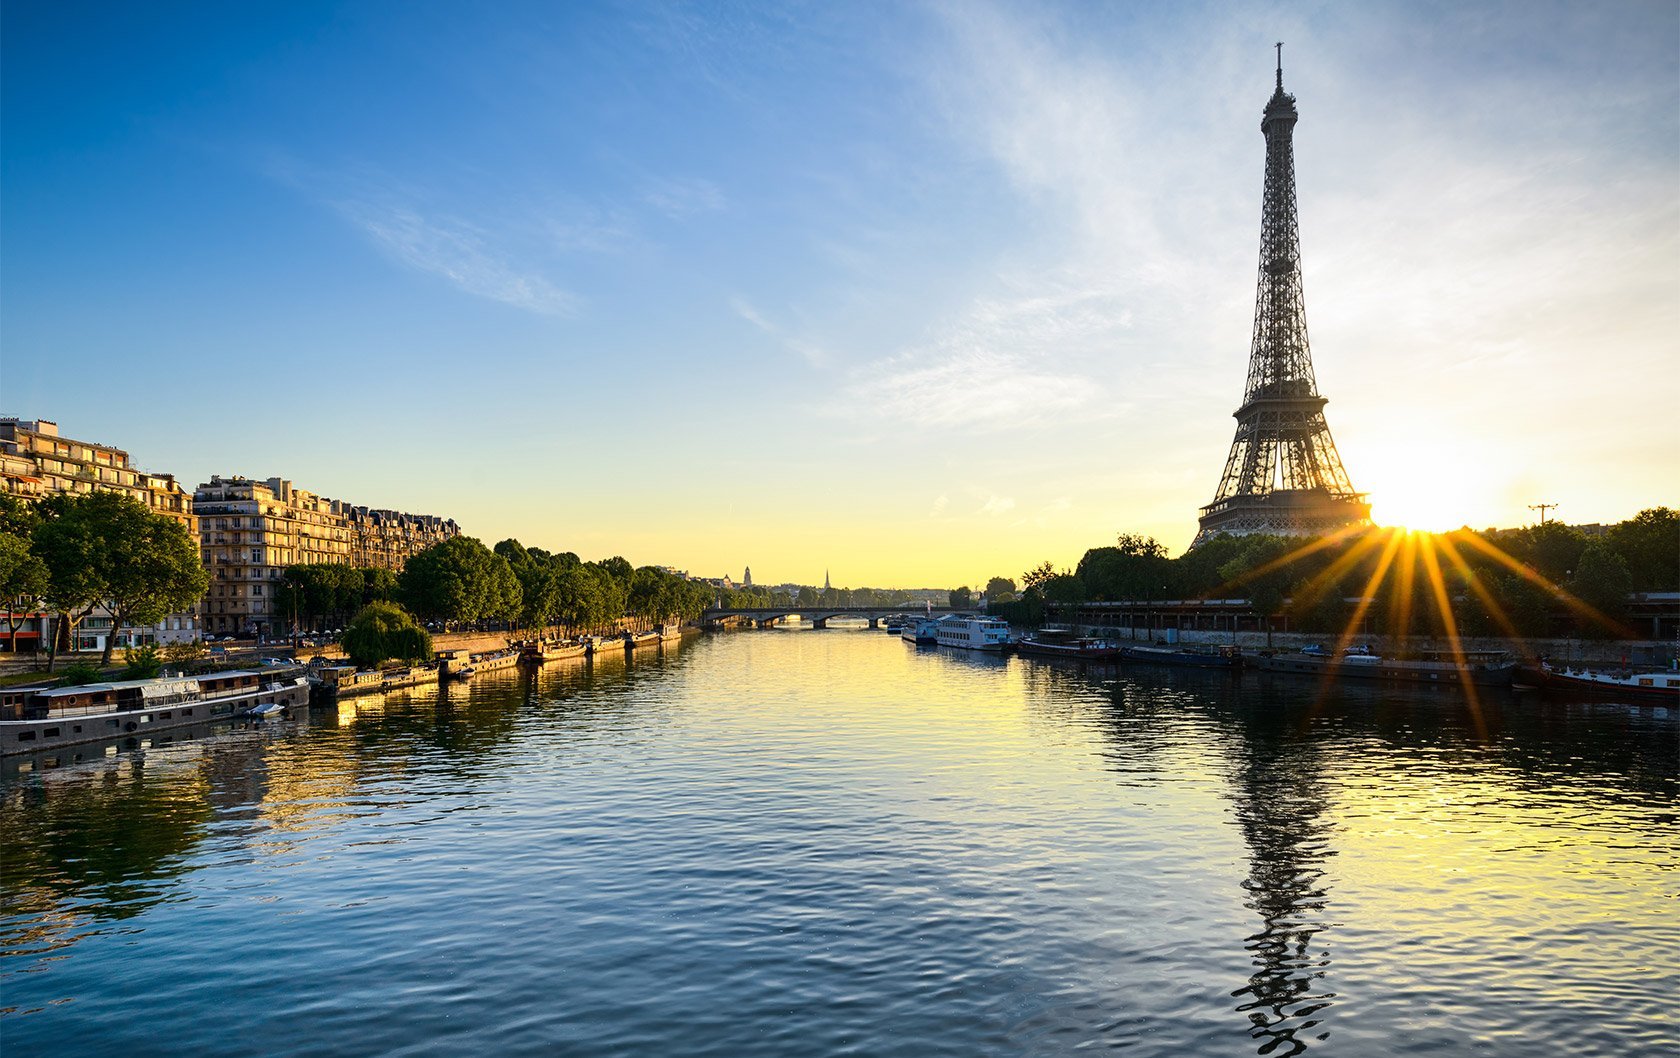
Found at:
<point>833,843</point>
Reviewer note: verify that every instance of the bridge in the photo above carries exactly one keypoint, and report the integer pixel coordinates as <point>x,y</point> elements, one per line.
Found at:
<point>764,617</point>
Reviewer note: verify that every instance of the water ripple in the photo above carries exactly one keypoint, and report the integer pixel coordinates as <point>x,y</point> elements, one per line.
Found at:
<point>828,843</point>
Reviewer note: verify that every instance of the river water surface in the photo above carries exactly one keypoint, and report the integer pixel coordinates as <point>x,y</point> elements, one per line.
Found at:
<point>825,843</point>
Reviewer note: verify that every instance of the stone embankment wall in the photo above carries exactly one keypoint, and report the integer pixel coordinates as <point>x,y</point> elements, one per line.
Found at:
<point>472,642</point>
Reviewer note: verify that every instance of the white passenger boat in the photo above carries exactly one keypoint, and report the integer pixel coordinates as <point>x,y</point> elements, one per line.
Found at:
<point>972,633</point>
<point>38,718</point>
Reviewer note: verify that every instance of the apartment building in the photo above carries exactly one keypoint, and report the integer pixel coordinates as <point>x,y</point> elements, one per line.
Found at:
<point>251,530</point>
<point>36,462</point>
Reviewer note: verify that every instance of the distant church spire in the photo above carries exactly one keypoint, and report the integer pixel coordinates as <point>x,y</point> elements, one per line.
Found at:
<point>746,578</point>
<point>825,581</point>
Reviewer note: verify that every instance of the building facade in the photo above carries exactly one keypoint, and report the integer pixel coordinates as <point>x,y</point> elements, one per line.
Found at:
<point>36,462</point>
<point>251,531</point>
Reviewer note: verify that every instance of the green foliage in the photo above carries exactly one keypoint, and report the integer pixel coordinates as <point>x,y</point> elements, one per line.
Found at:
<point>1136,568</point>
<point>16,517</point>
<point>999,589</point>
<point>325,594</point>
<point>106,546</point>
<point>142,663</point>
<point>1649,543</point>
<point>384,631</point>
<point>460,580</point>
<point>1552,549</point>
<point>1038,575</point>
<point>961,598</point>
<point>23,579</point>
<point>184,653</point>
<point>1602,581</point>
<point>1064,589</point>
<point>80,674</point>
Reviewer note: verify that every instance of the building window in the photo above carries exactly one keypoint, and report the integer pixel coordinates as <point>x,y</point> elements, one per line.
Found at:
<point>256,589</point>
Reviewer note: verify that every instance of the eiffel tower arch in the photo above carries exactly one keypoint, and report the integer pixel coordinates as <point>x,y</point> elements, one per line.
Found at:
<point>1283,475</point>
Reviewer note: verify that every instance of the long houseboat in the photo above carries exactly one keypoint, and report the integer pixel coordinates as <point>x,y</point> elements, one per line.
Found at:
<point>973,633</point>
<point>347,681</point>
<point>1481,668</point>
<point>1649,686</point>
<point>542,651</point>
<point>1204,658</point>
<point>37,718</point>
<point>1065,643</point>
<point>494,659</point>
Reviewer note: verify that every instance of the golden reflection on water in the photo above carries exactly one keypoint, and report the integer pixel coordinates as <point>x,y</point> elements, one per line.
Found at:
<point>1288,863</point>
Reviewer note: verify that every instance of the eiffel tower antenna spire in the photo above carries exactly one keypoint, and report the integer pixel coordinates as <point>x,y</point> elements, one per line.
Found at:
<point>1284,475</point>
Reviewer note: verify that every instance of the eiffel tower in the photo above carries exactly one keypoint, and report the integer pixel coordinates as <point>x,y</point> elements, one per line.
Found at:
<point>1283,475</point>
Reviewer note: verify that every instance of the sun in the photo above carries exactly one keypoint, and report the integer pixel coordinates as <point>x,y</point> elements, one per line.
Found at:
<point>1426,486</point>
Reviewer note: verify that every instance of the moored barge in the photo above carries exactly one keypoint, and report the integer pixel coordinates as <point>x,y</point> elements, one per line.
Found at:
<point>542,651</point>
<point>347,681</point>
<point>38,718</point>
<point>1202,658</point>
<point>1662,687</point>
<point>1065,643</point>
<point>1482,668</point>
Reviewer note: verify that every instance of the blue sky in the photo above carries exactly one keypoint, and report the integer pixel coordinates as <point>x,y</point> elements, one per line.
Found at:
<point>916,292</point>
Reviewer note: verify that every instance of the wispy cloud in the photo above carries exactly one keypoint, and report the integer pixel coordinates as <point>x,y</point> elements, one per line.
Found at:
<point>1004,362</point>
<point>460,252</point>
<point>679,197</point>
<point>811,352</point>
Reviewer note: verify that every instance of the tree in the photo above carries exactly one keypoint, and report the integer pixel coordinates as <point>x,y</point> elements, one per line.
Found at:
<point>108,547</point>
<point>1602,581</point>
<point>618,568</point>
<point>1649,543</point>
<point>999,589</point>
<point>1038,575</point>
<point>17,517</point>
<point>156,571</point>
<point>961,598</point>
<point>142,663</point>
<point>23,580</point>
<point>460,580</point>
<point>1064,589</point>
<point>505,596</point>
<point>70,547</point>
<point>1138,545</point>
<point>1553,549</point>
<point>1261,572</point>
<point>378,585</point>
<point>384,631</point>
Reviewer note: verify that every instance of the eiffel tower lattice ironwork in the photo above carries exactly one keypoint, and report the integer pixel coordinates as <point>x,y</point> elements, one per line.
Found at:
<point>1283,475</point>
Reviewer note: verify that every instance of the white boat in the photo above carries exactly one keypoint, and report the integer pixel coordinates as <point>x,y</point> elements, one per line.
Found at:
<point>41,718</point>
<point>972,633</point>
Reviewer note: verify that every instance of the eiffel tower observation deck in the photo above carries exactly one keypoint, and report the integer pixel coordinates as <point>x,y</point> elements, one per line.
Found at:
<point>1283,475</point>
